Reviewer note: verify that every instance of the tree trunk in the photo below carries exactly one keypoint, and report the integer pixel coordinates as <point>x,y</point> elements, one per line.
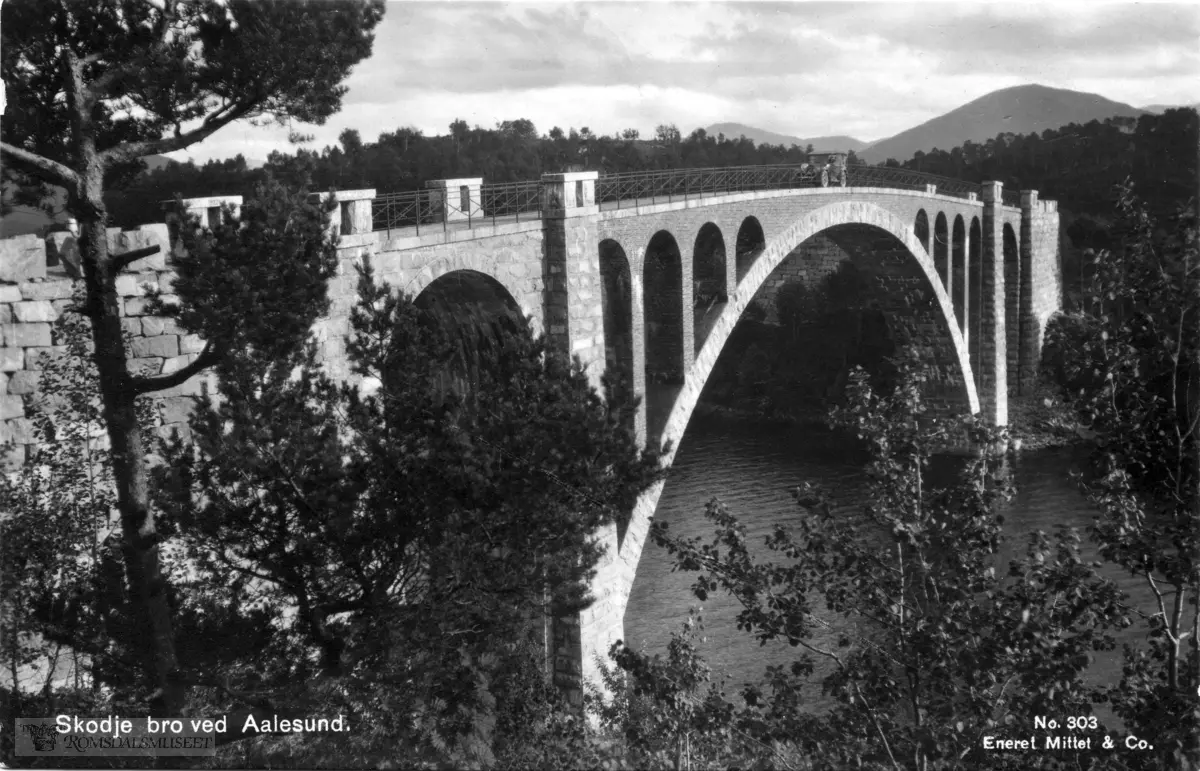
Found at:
<point>149,607</point>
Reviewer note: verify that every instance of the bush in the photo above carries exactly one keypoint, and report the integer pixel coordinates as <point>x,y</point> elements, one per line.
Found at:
<point>1068,355</point>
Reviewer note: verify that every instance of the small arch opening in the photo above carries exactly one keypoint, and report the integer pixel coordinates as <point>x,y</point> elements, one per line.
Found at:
<point>662,314</point>
<point>709,293</point>
<point>921,228</point>
<point>958,273</point>
<point>941,252</point>
<point>1015,310</point>
<point>616,302</point>
<point>750,243</point>
<point>975,298</point>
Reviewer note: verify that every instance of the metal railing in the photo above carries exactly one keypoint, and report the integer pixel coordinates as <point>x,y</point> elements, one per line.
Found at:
<point>424,210</point>
<point>512,199</point>
<point>907,179</point>
<point>404,210</point>
<point>685,184</point>
<point>1010,197</point>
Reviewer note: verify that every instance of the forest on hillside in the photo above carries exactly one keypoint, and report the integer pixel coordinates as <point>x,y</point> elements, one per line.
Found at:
<point>1080,165</point>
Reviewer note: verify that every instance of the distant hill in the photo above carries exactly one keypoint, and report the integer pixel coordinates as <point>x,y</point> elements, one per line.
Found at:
<point>762,136</point>
<point>1019,110</point>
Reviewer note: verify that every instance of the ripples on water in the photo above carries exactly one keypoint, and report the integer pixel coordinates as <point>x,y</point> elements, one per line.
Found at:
<point>752,468</point>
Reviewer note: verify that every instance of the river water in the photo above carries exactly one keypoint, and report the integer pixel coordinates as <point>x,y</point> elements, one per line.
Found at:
<point>751,468</point>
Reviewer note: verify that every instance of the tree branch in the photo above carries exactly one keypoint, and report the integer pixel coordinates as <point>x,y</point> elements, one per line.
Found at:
<point>101,86</point>
<point>212,124</point>
<point>208,357</point>
<point>49,171</point>
<point>123,261</point>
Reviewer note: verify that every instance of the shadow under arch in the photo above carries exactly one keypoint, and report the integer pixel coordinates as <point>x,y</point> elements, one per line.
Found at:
<point>663,317</point>
<point>958,274</point>
<point>974,322</point>
<point>941,252</point>
<point>921,229</point>
<point>622,348</point>
<point>476,311</point>
<point>1016,310</point>
<point>709,294</point>
<point>750,242</point>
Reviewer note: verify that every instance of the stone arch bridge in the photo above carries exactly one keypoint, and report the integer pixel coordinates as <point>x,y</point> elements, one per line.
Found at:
<point>655,283</point>
<point>651,273</point>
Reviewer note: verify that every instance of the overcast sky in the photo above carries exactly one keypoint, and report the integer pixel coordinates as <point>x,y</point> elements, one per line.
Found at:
<point>869,70</point>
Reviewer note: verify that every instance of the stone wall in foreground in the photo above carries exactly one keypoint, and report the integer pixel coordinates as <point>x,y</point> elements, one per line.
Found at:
<point>30,306</point>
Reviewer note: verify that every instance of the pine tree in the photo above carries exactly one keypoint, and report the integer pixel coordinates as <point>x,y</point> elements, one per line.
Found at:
<point>95,86</point>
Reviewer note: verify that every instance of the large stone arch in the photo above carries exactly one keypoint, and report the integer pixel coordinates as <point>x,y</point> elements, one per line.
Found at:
<point>776,250</point>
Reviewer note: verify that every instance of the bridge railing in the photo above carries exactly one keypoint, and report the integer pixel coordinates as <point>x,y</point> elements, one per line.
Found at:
<point>615,190</point>
<point>684,184</point>
<point>907,179</point>
<point>512,199</point>
<point>403,210</point>
<point>1010,197</point>
<point>438,209</point>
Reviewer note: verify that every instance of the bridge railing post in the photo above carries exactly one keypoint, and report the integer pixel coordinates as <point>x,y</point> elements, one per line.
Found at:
<point>569,194</point>
<point>455,200</point>
<point>352,215</point>
<point>208,210</point>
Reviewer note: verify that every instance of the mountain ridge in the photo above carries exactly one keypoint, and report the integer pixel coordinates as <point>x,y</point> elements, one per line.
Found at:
<point>762,136</point>
<point>1031,108</point>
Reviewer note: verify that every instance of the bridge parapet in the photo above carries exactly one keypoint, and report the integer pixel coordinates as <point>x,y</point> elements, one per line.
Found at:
<point>570,194</point>
<point>454,200</point>
<point>207,210</point>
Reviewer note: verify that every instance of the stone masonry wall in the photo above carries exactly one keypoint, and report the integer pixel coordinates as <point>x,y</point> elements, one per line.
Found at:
<point>29,308</point>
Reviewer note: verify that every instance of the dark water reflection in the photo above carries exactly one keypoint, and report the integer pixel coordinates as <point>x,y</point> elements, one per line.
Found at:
<point>751,468</point>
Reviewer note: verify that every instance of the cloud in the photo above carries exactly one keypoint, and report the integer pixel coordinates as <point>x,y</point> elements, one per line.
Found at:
<point>866,69</point>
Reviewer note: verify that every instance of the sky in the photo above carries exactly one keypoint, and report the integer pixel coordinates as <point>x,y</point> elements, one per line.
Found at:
<point>868,70</point>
